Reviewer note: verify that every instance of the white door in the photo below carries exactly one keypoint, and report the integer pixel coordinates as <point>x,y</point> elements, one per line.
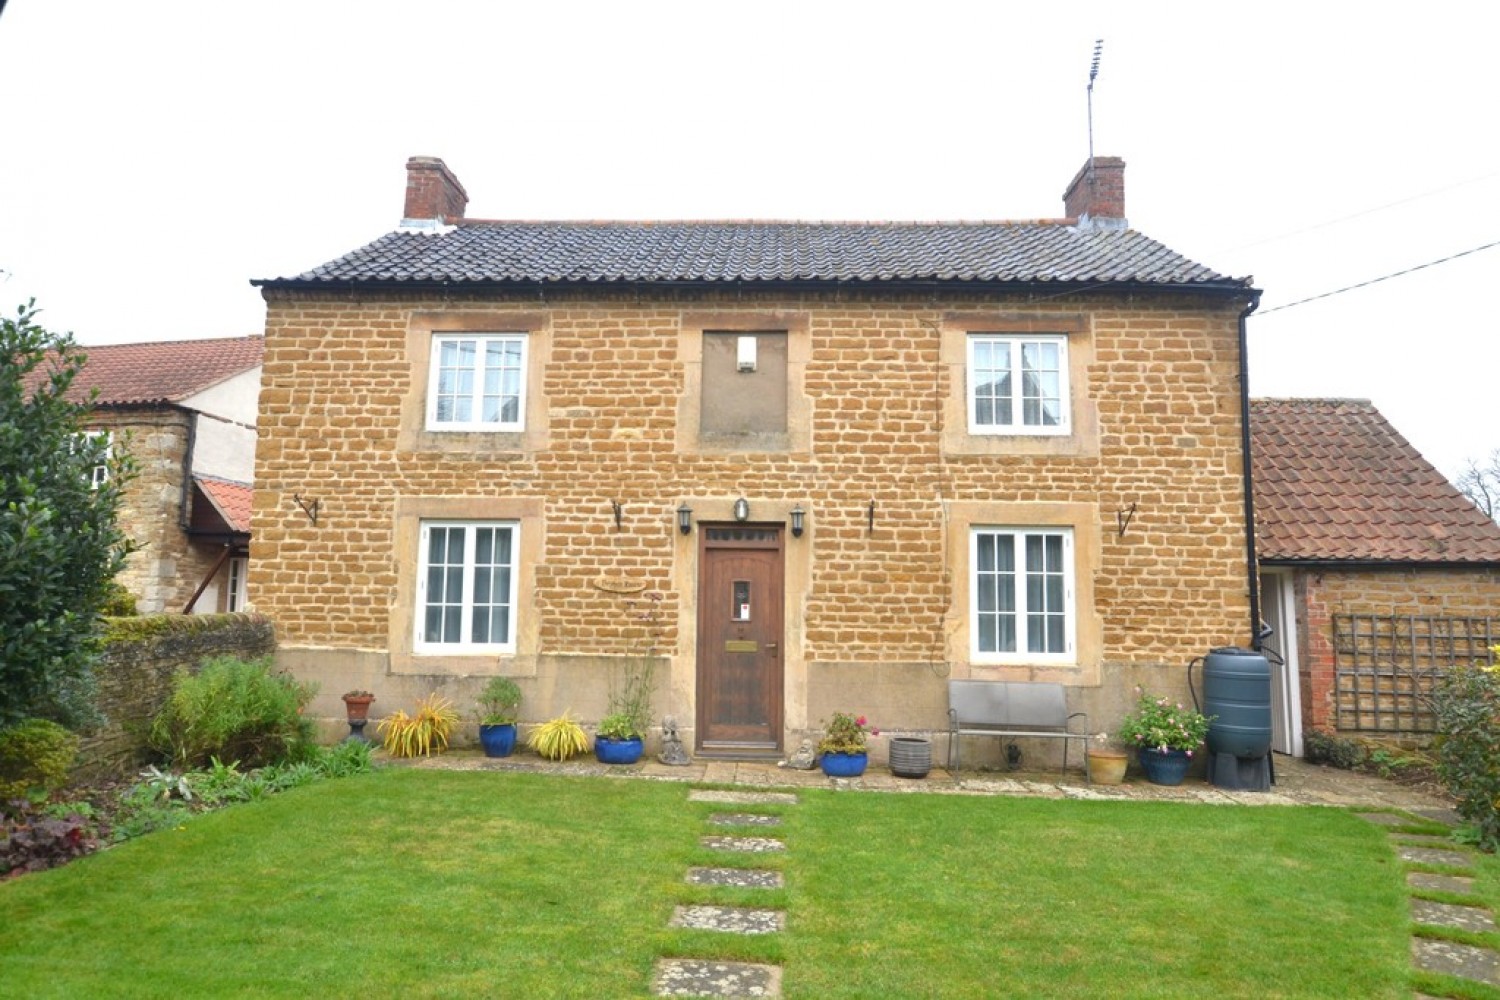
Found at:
<point>1278,609</point>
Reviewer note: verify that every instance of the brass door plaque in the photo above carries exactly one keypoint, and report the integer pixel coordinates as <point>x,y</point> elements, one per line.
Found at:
<point>741,646</point>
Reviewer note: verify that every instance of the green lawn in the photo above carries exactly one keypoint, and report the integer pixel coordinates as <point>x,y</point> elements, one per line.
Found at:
<point>436,884</point>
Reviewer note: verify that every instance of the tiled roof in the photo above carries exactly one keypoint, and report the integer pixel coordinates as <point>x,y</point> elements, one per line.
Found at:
<point>164,372</point>
<point>231,499</point>
<point>479,252</point>
<point>1335,482</point>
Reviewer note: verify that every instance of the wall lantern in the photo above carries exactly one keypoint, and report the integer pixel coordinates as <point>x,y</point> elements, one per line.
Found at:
<point>798,514</point>
<point>685,518</point>
<point>742,509</point>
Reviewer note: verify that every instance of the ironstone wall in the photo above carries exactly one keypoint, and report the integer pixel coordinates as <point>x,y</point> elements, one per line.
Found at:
<point>141,656</point>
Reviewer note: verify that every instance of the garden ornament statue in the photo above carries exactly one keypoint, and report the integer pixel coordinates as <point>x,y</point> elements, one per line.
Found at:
<point>803,759</point>
<point>672,751</point>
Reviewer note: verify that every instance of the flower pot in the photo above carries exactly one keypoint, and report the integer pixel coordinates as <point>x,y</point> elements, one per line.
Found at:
<point>911,756</point>
<point>1107,767</point>
<point>1165,767</point>
<point>844,765</point>
<point>498,740</point>
<point>618,751</point>
<point>357,706</point>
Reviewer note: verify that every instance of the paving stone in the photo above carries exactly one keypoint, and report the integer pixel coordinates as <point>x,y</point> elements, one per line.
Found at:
<point>1423,840</point>
<point>1441,815</point>
<point>682,977</point>
<point>745,845</point>
<point>1464,918</point>
<point>1089,794</point>
<point>1462,960</point>
<point>741,798</point>
<point>744,819</point>
<point>729,919</point>
<point>749,878</point>
<point>1440,883</point>
<point>1429,856</point>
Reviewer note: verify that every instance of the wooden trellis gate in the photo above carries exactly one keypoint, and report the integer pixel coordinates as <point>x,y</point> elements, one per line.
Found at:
<point>1384,666</point>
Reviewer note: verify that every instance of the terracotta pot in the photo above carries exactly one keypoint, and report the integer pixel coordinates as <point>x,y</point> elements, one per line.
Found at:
<point>358,707</point>
<point>1107,767</point>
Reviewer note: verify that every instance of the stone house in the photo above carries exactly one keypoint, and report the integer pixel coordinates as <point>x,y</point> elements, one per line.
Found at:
<point>804,466</point>
<point>186,410</point>
<point>1376,572</point>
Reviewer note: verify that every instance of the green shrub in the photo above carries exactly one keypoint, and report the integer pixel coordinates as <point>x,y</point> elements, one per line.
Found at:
<point>120,603</point>
<point>1466,702</point>
<point>1335,751</point>
<point>34,759</point>
<point>233,709</point>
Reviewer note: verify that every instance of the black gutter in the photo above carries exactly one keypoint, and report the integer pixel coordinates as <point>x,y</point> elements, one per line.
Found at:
<point>1252,573</point>
<point>1336,565</point>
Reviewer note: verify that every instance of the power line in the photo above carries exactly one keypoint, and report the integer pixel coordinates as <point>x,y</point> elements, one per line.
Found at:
<point>1363,212</point>
<point>1383,277</point>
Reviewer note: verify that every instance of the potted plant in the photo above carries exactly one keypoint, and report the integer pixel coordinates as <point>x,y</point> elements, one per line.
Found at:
<point>1106,764</point>
<point>1164,734</point>
<point>423,733</point>
<point>357,713</point>
<point>619,740</point>
<point>559,738</point>
<point>497,716</point>
<point>621,736</point>
<point>844,748</point>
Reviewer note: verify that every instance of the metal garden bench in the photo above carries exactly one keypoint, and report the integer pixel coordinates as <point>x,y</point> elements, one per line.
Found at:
<point>1011,708</point>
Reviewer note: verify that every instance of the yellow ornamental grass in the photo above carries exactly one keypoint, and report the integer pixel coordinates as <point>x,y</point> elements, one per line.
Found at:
<point>559,739</point>
<point>420,734</point>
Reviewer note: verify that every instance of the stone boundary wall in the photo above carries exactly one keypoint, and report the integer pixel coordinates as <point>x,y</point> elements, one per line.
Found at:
<point>141,656</point>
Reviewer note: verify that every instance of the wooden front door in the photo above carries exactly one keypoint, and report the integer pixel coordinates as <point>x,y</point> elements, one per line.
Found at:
<point>739,640</point>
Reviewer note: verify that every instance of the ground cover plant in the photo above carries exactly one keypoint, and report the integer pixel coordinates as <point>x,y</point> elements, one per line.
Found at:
<point>427,883</point>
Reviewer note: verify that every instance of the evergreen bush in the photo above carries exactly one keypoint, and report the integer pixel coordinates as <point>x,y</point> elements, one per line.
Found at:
<point>236,710</point>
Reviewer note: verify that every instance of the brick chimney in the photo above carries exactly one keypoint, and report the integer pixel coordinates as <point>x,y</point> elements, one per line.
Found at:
<point>433,194</point>
<point>1096,197</point>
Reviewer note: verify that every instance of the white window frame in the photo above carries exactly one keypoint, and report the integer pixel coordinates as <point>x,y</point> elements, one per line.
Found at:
<point>465,599</point>
<point>475,396</point>
<point>234,600</point>
<point>1017,535</point>
<point>1015,344</point>
<point>99,474</point>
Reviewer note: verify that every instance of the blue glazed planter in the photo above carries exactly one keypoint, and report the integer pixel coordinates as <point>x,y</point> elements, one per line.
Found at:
<point>845,765</point>
<point>1167,768</point>
<point>618,751</point>
<point>498,741</point>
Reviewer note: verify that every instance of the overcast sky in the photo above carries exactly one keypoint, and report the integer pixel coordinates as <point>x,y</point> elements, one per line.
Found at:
<point>159,155</point>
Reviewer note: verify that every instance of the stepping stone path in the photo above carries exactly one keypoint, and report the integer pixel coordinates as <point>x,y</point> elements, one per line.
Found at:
<point>683,977</point>
<point>1437,955</point>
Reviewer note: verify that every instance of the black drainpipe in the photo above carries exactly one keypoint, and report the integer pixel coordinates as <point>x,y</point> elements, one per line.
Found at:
<point>1251,573</point>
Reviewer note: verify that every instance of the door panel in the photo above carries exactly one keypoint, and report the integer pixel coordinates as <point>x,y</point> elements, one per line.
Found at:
<point>739,639</point>
<point>1280,648</point>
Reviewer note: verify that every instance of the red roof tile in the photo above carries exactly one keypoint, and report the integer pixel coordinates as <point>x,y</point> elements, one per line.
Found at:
<point>230,499</point>
<point>165,372</point>
<point>1334,482</point>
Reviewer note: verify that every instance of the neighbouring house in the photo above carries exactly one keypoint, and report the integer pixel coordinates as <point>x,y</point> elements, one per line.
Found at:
<point>1376,573</point>
<point>186,410</point>
<point>808,466</point>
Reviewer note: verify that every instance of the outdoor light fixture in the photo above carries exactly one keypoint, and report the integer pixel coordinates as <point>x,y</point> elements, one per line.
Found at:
<point>742,509</point>
<point>798,514</point>
<point>685,518</point>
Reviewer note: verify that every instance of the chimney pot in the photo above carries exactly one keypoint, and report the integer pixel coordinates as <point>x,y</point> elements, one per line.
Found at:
<point>1096,195</point>
<point>433,193</point>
